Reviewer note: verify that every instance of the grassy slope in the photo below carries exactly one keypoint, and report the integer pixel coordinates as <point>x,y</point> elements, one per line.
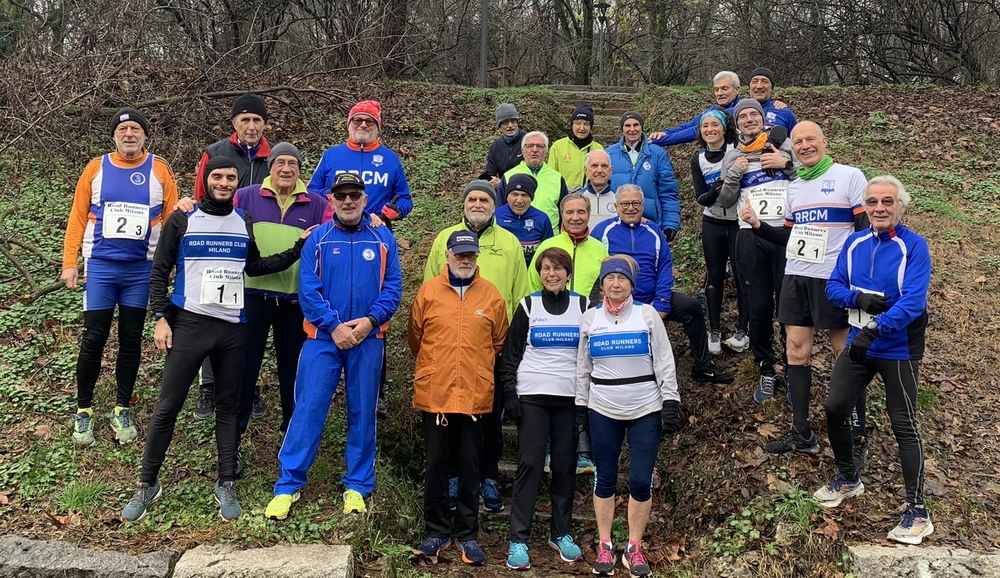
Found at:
<point>718,495</point>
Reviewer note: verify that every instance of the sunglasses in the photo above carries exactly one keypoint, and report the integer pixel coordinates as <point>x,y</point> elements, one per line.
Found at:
<point>361,121</point>
<point>355,196</point>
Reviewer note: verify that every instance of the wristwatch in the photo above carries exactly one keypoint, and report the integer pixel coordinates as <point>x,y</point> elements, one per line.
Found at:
<point>157,316</point>
<point>872,326</point>
<point>374,322</point>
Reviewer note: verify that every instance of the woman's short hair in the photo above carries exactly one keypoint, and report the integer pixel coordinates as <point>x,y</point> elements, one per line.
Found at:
<point>559,257</point>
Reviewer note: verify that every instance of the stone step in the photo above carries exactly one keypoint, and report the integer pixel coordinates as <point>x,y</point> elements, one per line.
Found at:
<point>54,559</point>
<point>596,89</point>
<point>882,562</point>
<point>282,561</point>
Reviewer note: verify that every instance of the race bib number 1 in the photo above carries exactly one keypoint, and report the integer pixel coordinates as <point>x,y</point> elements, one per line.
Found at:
<point>859,317</point>
<point>768,202</point>
<point>223,287</point>
<point>125,221</point>
<point>807,243</point>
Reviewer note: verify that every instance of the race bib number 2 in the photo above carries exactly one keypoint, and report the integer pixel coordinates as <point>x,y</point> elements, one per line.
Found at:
<point>768,202</point>
<point>223,287</point>
<point>125,221</point>
<point>807,243</point>
<point>859,317</point>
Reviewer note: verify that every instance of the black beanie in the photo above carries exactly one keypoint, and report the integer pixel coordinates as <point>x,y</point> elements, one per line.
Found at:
<point>582,112</point>
<point>127,114</point>
<point>216,162</point>
<point>251,103</point>
<point>522,182</point>
<point>761,71</point>
<point>631,114</point>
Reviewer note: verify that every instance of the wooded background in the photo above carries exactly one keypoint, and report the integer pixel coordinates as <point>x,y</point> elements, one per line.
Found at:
<point>805,42</point>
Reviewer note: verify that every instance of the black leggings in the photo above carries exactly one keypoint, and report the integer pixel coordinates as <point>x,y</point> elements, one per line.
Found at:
<point>96,328</point>
<point>719,245</point>
<point>848,385</point>
<point>761,271</point>
<point>196,337</point>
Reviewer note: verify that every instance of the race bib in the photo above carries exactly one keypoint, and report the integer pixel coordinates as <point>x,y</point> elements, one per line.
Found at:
<point>807,243</point>
<point>859,317</point>
<point>223,287</point>
<point>768,202</point>
<point>125,221</point>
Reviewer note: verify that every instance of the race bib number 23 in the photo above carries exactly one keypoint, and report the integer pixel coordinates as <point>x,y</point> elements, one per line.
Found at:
<point>125,221</point>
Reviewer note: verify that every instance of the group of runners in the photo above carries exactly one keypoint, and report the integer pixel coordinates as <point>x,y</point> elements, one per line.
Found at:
<point>545,303</point>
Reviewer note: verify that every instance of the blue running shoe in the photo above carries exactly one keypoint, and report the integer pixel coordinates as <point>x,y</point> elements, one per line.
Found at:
<point>517,556</point>
<point>491,496</point>
<point>432,547</point>
<point>567,548</point>
<point>472,553</point>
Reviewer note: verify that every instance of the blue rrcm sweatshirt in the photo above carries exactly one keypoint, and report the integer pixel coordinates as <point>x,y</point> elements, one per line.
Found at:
<point>644,242</point>
<point>898,265</point>
<point>531,228</point>
<point>376,164</point>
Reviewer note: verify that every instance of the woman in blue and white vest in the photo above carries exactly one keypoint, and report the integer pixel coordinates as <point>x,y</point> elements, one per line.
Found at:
<point>627,380</point>
<point>538,373</point>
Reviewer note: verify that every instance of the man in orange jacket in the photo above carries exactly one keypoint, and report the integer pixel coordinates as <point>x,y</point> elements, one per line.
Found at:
<point>458,323</point>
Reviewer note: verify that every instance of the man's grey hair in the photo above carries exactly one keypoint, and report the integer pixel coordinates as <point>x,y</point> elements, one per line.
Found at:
<point>573,197</point>
<point>734,78</point>
<point>534,133</point>
<point>902,195</point>
<point>586,159</point>
<point>628,188</point>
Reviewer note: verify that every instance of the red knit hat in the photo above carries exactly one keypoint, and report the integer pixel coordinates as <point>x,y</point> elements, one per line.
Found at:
<point>370,107</point>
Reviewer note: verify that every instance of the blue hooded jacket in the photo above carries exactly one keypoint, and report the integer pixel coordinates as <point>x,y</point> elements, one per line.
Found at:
<point>653,173</point>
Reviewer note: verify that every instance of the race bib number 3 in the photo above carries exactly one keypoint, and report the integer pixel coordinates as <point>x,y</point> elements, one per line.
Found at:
<point>125,221</point>
<point>222,287</point>
<point>859,317</point>
<point>768,202</point>
<point>807,243</point>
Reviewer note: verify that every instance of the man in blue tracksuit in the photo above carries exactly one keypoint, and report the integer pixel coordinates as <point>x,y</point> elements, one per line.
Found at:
<point>882,277</point>
<point>350,284</point>
<point>531,226</point>
<point>648,167</point>
<point>654,279</point>
<point>761,89</point>
<point>726,90</point>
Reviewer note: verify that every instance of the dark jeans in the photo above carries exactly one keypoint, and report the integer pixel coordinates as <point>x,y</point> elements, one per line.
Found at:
<point>719,245</point>
<point>285,317</point>
<point>195,338</point>
<point>848,384</point>
<point>643,444</point>
<point>96,329</point>
<point>454,442</point>
<point>539,424</point>
<point>761,270</point>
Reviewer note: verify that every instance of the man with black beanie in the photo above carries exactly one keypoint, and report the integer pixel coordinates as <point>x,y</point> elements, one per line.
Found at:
<point>211,247</point>
<point>761,89</point>
<point>566,154</point>
<point>248,150</point>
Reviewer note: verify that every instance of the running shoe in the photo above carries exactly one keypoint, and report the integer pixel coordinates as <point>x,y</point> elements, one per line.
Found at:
<point>793,442</point>
<point>584,465</point>
<point>567,548</point>
<point>913,527</point>
<point>229,504</point>
<point>432,546</point>
<point>517,556</point>
<point>144,495</point>
<point>472,553</point>
<point>738,343</point>
<point>491,496</point>
<point>605,563</point>
<point>354,502</point>
<point>711,373</point>
<point>258,409</point>
<point>277,508</point>
<point>380,409</point>
<point>635,560</point>
<point>839,489</point>
<point>124,425</point>
<point>715,342</point>
<point>765,388</point>
<point>452,493</point>
<point>83,427</point>
<point>205,407</point>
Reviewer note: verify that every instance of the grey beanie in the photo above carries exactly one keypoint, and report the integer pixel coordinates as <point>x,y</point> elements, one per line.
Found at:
<point>506,111</point>
<point>283,148</point>
<point>480,185</point>
<point>745,103</point>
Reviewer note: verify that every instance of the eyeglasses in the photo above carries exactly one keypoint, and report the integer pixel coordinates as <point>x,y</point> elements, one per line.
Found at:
<point>343,196</point>
<point>290,163</point>
<point>627,204</point>
<point>873,202</point>
<point>466,256</point>
<point>360,121</point>
<point>532,146</point>
<point>508,121</point>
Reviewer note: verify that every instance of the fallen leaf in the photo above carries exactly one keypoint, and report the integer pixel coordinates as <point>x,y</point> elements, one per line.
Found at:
<point>981,279</point>
<point>4,497</point>
<point>404,243</point>
<point>43,431</point>
<point>830,529</point>
<point>768,430</point>
<point>71,519</point>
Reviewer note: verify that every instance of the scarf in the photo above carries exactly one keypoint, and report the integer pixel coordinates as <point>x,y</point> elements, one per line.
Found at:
<point>510,139</point>
<point>581,142</point>
<point>815,171</point>
<point>756,145</point>
<point>577,239</point>
<point>616,310</point>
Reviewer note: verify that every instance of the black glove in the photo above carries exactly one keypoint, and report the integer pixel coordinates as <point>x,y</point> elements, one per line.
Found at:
<point>860,344</point>
<point>709,198</point>
<point>670,417</point>
<point>669,234</point>
<point>512,406</point>
<point>872,303</point>
<point>581,417</point>
<point>391,210</point>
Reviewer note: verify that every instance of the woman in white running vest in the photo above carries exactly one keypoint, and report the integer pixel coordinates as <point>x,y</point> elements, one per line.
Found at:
<point>538,374</point>
<point>627,380</point>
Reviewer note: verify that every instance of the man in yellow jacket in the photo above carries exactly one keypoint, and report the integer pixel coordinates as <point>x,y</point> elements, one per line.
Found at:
<point>567,154</point>
<point>458,323</point>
